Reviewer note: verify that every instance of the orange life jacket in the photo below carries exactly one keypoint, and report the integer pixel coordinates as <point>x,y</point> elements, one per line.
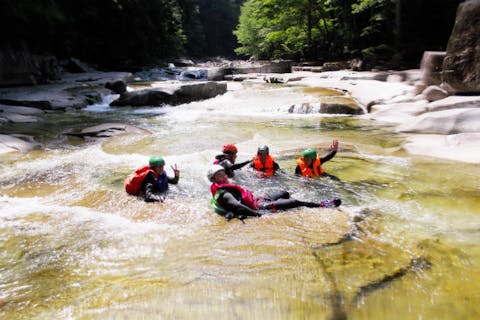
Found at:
<point>133,183</point>
<point>307,172</point>
<point>267,169</point>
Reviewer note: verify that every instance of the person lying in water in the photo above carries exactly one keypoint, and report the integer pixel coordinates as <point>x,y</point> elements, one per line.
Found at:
<point>310,164</point>
<point>234,201</point>
<point>263,163</point>
<point>151,181</point>
<point>227,160</point>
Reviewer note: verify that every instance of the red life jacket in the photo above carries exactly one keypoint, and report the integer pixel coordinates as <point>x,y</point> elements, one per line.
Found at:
<point>307,172</point>
<point>133,183</point>
<point>247,196</point>
<point>267,169</point>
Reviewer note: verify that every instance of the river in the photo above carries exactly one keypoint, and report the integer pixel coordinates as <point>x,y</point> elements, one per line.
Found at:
<point>74,245</point>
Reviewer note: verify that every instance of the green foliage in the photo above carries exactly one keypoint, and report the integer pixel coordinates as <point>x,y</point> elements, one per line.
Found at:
<point>312,28</point>
<point>122,33</point>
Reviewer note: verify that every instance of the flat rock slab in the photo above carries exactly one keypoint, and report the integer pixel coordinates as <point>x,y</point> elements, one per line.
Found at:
<point>10,143</point>
<point>464,147</point>
<point>107,130</point>
<point>451,121</point>
<point>73,91</point>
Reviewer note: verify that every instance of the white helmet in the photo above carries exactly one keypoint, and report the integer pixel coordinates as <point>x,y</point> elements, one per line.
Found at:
<point>214,170</point>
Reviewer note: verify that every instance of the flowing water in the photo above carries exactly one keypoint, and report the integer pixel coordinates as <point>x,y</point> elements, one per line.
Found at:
<point>74,246</point>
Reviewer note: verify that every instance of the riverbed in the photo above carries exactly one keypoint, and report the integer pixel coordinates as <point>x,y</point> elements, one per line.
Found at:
<point>74,245</point>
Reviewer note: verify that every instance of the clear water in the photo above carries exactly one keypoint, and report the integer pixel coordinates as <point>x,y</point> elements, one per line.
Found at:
<point>74,246</point>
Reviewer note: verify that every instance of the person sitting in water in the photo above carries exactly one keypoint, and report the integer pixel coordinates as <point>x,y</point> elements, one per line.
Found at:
<point>264,163</point>
<point>234,201</point>
<point>227,160</point>
<point>151,181</point>
<point>310,165</point>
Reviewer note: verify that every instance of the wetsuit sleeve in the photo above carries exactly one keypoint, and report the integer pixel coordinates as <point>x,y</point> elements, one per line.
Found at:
<point>230,203</point>
<point>328,156</point>
<point>148,188</point>
<point>173,180</point>
<point>240,165</point>
<point>298,171</point>
<point>275,166</point>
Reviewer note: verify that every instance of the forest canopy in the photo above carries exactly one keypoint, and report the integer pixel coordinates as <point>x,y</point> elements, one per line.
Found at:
<point>127,33</point>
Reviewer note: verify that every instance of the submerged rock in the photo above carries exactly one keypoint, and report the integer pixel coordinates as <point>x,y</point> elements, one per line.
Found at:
<point>107,130</point>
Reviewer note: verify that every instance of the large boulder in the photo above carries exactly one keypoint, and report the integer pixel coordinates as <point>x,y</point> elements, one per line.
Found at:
<point>117,86</point>
<point>145,97</point>
<point>461,67</point>
<point>171,95</point>
<point>434,93</point>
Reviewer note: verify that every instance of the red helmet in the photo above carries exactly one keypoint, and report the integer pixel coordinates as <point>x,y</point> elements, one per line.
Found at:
<point>230,148</point>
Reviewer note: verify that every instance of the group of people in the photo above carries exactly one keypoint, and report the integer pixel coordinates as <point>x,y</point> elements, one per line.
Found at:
<point>228,199</point>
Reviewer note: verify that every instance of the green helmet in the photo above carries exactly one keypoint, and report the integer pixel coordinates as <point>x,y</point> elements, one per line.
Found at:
<point>156,161</point>
<point>310,154</point>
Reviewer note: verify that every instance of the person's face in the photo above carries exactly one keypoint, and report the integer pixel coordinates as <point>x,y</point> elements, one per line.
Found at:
<point>232,156</point>
<point>263,156</point>
<point>159,169</point>
<point>220,177</point>
<point>308,161</point>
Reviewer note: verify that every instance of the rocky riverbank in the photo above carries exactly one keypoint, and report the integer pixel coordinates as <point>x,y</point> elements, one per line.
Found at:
<point>447,128</point>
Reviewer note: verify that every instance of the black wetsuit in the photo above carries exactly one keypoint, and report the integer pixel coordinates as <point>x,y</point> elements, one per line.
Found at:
<point>323,159</point>
<point>231,201</point>
<point>152,190</point>
<point>224,161</point>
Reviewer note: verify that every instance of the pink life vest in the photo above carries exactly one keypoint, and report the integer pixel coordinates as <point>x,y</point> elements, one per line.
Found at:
<point>247,195</point>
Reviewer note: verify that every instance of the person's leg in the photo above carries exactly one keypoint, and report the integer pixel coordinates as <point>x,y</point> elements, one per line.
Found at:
<point>277,195</point>
<point>284,204</point>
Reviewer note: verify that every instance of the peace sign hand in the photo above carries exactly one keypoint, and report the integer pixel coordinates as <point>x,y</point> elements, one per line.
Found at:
<point>175,170</point>
<point>334,146</point>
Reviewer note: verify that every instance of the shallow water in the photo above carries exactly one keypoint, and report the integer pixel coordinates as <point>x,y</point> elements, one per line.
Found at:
<point>74,245</point>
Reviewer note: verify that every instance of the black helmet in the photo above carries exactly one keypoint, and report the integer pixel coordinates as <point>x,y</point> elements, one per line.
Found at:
<point>263,149</point>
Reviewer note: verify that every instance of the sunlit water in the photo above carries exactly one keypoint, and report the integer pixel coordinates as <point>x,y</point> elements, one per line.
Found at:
<point>74,245</point>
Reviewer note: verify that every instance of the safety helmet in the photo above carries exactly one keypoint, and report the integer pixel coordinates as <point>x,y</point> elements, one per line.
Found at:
<point>213,170</point>
<point>230,148</point>
<point>309,154</point>
<point>263,149</point>
<point>156,161</point>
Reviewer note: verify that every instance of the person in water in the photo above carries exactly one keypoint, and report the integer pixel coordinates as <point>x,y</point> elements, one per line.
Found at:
<point>151,181</point>
<point>227,160</point>
<point>233,201</point>
<point>264,163</point>
<point>310,165</point>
